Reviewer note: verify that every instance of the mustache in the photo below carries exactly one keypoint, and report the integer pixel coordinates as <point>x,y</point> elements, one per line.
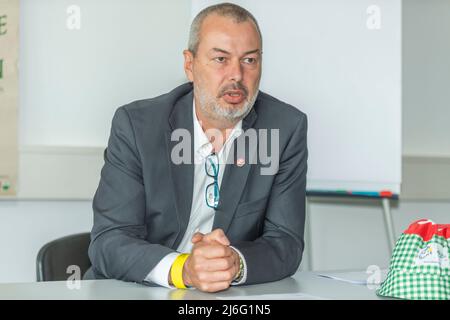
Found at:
<point>233,86</point>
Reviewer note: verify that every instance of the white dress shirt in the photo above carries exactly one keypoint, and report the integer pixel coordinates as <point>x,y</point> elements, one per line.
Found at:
<point>202,217</point>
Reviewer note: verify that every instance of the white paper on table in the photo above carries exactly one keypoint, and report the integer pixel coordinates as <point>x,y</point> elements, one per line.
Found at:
<point>275,296</point>
<point>357,277</point>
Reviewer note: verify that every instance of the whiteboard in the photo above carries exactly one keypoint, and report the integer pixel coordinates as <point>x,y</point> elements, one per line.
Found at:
<point>321,57</point>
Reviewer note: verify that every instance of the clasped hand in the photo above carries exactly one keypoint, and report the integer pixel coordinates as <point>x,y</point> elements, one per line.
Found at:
<point>213,264</point>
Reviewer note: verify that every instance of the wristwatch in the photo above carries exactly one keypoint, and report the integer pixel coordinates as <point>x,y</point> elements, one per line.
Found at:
<point>240,273</point>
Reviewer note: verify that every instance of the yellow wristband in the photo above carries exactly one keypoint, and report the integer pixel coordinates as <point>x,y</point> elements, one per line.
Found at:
<point>176,272</point>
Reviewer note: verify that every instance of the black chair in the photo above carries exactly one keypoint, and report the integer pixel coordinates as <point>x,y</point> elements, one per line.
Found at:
<point>54,257</point>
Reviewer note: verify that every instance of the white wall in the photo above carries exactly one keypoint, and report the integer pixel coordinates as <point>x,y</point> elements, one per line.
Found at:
<point>72,81</point>
<point>25,226</point>
<point>125,50</point>
<point>426,77</point>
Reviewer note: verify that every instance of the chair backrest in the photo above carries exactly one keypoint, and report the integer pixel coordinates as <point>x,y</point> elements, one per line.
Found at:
<point>56,256</point>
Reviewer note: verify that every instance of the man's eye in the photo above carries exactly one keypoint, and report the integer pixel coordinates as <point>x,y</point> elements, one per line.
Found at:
<point>250,60</point>
<point>220,59</point>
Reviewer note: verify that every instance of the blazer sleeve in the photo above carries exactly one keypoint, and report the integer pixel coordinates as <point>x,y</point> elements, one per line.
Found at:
<point>118,247</point>
<point>278,252</point>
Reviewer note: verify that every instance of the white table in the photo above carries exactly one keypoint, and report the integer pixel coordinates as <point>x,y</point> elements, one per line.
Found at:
<point>309,284</point>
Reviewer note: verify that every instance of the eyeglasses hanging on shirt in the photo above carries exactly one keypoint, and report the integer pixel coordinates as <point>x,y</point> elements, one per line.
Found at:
<point>212,190</point>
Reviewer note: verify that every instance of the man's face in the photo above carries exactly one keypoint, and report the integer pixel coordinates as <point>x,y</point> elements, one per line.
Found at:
<point>226,69</point>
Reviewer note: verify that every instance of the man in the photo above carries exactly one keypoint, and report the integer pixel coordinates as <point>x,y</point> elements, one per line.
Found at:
<point>235,224</point>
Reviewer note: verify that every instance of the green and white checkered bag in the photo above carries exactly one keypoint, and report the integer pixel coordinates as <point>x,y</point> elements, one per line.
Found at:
<point>420,267</point>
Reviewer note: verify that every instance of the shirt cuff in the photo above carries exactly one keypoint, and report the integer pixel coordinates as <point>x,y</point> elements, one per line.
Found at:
<point>160,273</point>
<point>244,271</point>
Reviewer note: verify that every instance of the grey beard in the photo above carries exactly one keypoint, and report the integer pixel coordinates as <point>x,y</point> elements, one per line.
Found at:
<point>217,112</point>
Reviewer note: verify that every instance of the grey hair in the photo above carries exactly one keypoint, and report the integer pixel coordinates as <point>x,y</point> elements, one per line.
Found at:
<point>233,11</point>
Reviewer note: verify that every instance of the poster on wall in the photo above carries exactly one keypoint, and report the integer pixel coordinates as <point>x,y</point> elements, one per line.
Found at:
<point>9,95</point>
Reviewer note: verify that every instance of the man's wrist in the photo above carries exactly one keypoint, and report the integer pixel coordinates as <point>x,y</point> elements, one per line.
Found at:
<point>242,277</point>
<point>177,274</point>
<point>240,272</point>
<point>240,263</point>
<point>186,278</point>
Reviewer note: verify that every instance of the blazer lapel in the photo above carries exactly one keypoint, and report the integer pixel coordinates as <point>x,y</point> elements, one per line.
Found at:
<point>182,175</point>
<point>235,177</point>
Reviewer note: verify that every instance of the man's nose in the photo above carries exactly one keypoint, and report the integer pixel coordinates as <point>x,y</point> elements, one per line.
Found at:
<point>235,71</point>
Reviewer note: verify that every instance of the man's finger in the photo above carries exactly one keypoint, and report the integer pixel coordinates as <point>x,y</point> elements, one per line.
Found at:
<point>218,276</point>
<point>219,264</point>
<point>211,251</point>
<point>217,235</point>
<point>197,237</point>
<point>214,286</point>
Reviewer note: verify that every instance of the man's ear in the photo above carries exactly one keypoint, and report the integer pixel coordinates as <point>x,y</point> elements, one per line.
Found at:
<point>188,63</point>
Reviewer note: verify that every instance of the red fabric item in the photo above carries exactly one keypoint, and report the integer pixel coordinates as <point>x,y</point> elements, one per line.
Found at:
<point>426,229</point>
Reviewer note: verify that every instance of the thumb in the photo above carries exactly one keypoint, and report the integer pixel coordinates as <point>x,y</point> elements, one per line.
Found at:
<point>197,237</point>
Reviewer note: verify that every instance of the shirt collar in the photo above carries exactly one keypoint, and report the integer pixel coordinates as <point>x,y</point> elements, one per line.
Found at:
<point>202,146</point>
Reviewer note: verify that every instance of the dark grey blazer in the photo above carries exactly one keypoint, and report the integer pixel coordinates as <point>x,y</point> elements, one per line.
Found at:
<point>143,202</point>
